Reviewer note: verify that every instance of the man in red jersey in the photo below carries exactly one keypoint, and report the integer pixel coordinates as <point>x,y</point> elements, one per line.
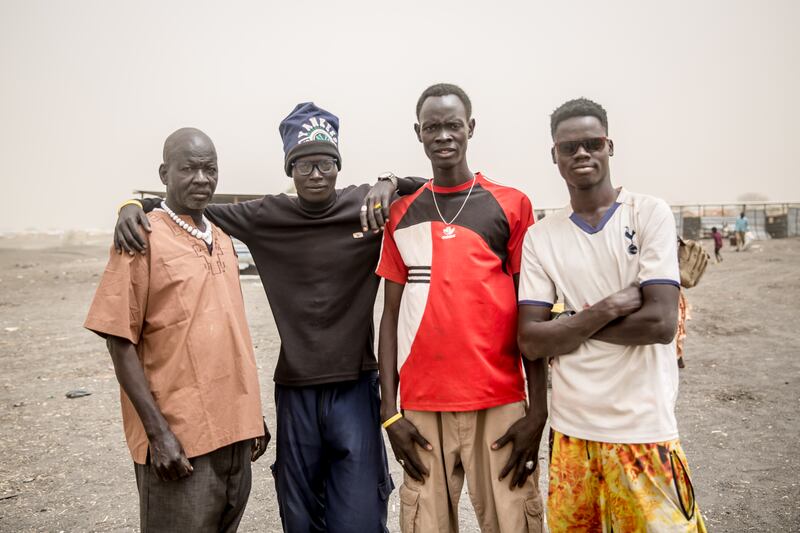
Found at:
<point>450,258</point>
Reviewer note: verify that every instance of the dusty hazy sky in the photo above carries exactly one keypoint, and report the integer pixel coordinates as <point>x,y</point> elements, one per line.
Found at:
<point>702,96</point>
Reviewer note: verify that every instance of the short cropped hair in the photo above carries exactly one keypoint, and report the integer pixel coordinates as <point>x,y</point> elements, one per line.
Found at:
<point>580,107</point>
<point>443,89</point>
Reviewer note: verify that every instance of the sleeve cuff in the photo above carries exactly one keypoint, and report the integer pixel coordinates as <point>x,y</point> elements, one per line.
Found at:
<point>391,275</point>
<point>536,303</point>
<point>409,185</point>
<point>104,330</point>
<point>658,281</point>
<point>149,204</point>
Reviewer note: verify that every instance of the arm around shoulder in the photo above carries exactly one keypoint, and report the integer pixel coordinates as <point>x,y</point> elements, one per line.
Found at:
<point>132,225</point>
<point>239,220</point>
<point>409,185</point>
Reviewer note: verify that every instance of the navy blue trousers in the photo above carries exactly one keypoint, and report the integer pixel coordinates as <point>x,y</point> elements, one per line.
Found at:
<point>330,472</point>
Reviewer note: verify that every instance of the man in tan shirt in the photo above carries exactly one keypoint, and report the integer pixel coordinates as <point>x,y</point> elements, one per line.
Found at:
<point>175,326</point>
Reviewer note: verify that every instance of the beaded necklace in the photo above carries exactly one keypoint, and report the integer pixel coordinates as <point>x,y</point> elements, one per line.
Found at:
<point>204,236</point>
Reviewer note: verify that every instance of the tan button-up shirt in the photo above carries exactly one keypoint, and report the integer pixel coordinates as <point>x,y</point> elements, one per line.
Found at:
<point>183,309</point>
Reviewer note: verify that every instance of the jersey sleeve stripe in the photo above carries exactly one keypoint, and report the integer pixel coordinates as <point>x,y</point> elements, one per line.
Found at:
<point>537,303</point>
<point>391,275</point>
<point>659,282</point>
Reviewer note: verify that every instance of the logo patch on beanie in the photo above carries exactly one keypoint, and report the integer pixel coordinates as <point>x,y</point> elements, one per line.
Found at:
<point>317,129</point>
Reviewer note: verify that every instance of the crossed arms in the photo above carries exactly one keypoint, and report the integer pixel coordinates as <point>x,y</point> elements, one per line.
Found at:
<point>631,317</point>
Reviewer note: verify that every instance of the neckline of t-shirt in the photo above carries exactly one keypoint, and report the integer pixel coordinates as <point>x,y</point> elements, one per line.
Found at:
<point>457,188</point>
<point>190,221</point>
<point>588,228</point>
<point>317,209</point>
<point>214,229</point>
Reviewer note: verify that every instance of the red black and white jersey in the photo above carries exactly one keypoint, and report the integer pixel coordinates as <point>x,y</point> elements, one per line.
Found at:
<point>456,335</point>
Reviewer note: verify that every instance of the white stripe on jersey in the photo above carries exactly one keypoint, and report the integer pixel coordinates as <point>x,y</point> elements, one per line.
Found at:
<point>415,295</point>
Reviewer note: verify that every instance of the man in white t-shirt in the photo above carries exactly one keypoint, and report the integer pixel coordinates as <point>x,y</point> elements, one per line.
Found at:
<point>616,462</point>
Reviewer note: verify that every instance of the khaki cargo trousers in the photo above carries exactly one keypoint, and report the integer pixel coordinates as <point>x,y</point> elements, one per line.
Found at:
<point>462,446</point>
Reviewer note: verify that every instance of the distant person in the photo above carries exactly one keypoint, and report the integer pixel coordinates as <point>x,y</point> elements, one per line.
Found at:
<point>450,262</point>
<point>317,263</point>
<point>174,323</point>
<point>717,236</point>
<point>741,231</point>
<point>616,459</point>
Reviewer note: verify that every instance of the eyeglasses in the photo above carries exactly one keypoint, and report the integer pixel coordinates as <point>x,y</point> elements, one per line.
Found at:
<point>305,168</point>
<point>570,148</point>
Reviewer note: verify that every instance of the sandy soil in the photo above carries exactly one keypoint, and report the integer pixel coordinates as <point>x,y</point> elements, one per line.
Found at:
<point>65,466</point>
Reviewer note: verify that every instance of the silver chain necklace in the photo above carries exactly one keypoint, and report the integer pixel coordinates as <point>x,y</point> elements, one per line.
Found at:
<point>449,232</point>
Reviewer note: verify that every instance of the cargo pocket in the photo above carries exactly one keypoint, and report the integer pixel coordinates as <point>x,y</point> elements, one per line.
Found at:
<point>533,514</point>
<point>683,485</point>
<point>409,505</point>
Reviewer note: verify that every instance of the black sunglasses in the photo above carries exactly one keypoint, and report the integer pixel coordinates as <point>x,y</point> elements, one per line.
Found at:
<point>570,148</point>
<point>305,168</point>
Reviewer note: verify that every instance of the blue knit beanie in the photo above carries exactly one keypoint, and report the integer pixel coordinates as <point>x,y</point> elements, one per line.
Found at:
<point>309,130</point>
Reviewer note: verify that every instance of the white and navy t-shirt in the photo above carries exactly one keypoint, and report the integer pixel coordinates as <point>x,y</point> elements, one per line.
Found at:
<point>607,392</point>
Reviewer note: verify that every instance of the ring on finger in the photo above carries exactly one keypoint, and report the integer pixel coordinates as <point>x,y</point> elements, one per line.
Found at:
<point>363,208</point>
<point>402,462</point>
<point>377,205</point>
<point>530,465</point>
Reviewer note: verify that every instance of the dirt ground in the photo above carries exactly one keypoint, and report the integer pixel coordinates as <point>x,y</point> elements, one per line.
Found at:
<point>65,466</point>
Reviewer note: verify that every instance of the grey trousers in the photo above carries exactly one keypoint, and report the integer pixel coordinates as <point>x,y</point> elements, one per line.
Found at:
<point>211,499</point>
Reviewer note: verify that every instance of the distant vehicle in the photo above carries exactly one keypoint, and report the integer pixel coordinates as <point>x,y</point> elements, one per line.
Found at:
<point>246,263</point>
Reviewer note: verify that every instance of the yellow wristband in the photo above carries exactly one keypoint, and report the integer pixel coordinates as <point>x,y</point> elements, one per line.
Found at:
<point>127,202</point>
<point>392,420</point>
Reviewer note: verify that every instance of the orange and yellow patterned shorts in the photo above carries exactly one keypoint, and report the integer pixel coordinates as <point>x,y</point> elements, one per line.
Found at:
<point>624,488</point>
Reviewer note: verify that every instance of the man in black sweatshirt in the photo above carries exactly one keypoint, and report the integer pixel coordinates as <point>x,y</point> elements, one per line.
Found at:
<point>317,264</point>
